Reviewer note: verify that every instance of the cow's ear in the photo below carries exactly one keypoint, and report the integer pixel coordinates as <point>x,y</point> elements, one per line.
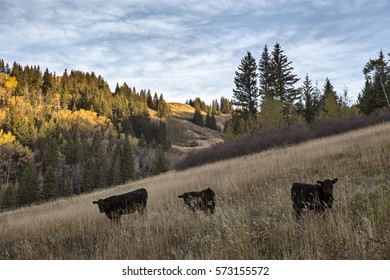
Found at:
<point>94,202</point>
<point>319,183</point>
<point>180,196</point>
<point>335,180</point>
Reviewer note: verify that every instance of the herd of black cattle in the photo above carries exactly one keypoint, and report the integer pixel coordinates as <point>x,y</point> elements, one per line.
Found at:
<point>316,197</point>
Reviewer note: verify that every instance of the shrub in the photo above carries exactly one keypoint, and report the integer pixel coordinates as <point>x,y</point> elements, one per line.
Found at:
<point>274,137</point>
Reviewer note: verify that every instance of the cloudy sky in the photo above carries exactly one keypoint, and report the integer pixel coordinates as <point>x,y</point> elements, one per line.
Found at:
<point>185,49</point>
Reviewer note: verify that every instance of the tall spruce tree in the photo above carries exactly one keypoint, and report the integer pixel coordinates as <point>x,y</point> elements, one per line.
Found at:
<point>377,85</point>
<point>211,122</point>
<point>48,82</point>
<point>198,118</point>
<point>309,101</point>
<point>282,78</point>
<point>49,185</point>
<point>127,170</point>
<point>163,110</point>
<point>160,164</point>
<point>330,106</point>
<point>28,191</point>
<point>226,106</point>
<point>265,74</point>
<point>246,93</point>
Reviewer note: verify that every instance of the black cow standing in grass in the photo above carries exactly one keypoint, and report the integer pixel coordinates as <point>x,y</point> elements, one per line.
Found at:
<point>313,197</point>
<point>127,203</point>
<point>203,200</point>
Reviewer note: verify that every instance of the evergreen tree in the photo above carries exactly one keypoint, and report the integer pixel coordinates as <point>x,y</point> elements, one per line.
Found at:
<point>196,103</point>
<point>127,170</point>
<point>17,72</point>
<point>155,102</point>
<point>163,110</point>
<point>50,153</point>
<point>48,82</point>
<point>271,114</point>
<point>330,106</point>
<point>198,118</point>
<point>98,162</point>
<point>265,74</point>
<point>149,100</point>
<point>161,136</point>
<point>49,184</point>
<point>2,66</point>
<point>215,107</point>
<point>160,163</point>
<point>246,93</point>
<point>89,175</point>
<point>309,105</point>
<point>9,198</point>
<point>20,125</point>
<point>28,191</point>
<point>282,79</point>
<point>115,173</point>
<point>377,85</point>
<point>226,106</point>
<point>211,122</point>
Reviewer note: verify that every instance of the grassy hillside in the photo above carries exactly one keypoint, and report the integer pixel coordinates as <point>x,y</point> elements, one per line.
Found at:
<point>253,220</point>
<point>185,136</point>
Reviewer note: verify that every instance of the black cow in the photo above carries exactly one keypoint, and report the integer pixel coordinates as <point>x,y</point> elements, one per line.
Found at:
<point>313,197</point>
<point>203,200</point>
<point>127,203</point>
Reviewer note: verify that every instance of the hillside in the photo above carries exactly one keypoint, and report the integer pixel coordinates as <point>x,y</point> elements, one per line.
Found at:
<point>184,135</point>
<point>253,220</point>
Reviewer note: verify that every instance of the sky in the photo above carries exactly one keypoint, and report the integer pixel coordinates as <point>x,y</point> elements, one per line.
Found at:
<point>192,48</point>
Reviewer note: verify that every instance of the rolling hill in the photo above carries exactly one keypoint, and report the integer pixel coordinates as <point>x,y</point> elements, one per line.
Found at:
<point>253,220</point>
<point>186,136</point>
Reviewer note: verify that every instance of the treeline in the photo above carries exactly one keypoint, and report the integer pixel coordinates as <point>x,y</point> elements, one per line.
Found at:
<point>224,107</point>
<point>267,94</point>
<point>64,135</point>
<point>376,91</point>
<point>273,111</point>
<point>273,137</point>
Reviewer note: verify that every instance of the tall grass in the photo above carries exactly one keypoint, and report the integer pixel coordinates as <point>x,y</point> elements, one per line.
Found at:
<point>254,218</point>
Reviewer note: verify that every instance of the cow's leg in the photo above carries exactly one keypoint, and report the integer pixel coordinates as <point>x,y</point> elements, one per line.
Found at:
<point>116,217</point>
<point>298,211</point>
<point>193,209</point>
<point>210,208</point>
<point>109,215</point>
<point>141,208</point>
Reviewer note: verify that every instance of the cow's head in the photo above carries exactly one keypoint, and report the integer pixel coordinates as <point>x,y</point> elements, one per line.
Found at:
<point>101,204</point>
<point>192,201</point>
<point>187,197</point>
<point>327,185</point>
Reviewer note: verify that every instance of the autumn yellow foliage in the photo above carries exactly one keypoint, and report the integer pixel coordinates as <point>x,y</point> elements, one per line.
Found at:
<point>6,138</point>
<point>3,114</point>
<point>82,119</point>
<point>11,83</point>
<point>7,85</point>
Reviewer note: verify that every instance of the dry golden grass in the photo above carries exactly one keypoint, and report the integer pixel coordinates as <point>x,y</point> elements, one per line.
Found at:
<point>177,107</point>
<point>185,136</point>
<point>253,220</point>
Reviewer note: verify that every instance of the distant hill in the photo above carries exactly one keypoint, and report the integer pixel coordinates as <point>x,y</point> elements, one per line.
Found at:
<point>184,135</point>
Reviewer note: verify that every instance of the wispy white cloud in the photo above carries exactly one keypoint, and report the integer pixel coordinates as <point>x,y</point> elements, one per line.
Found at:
<point>192,48</point>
